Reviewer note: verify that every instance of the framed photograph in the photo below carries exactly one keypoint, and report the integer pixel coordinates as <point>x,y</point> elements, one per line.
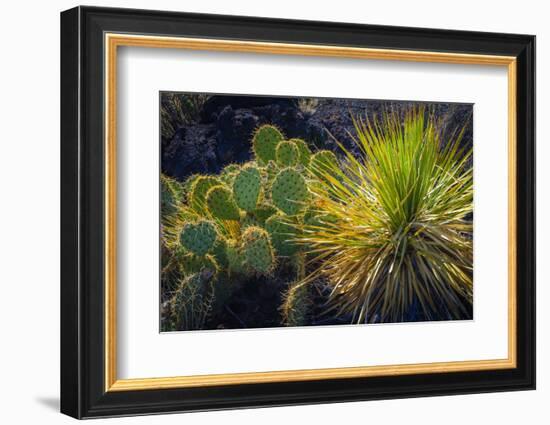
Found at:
<point>261,212</point>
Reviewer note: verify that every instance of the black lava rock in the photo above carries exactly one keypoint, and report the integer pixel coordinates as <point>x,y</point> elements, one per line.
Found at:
<point>227,124</point>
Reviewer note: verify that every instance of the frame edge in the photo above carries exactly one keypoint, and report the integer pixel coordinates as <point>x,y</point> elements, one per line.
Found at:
<point>70,382</point>
<point>80,395</point>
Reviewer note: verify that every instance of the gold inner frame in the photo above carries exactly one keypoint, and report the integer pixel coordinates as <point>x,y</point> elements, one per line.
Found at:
<point>113,41</point>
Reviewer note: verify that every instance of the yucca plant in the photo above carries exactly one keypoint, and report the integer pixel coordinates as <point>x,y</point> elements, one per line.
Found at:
<point>394,227</point>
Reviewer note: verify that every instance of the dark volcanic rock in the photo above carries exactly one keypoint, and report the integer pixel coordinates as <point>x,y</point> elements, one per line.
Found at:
<point>227,125</point>
<point>192,150</point>
<point>235,129</point>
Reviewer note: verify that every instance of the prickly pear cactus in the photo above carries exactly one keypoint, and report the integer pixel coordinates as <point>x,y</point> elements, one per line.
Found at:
<point>282,234</point>
<point>168,197</point>
<point>263,212</point>
<point>235,257</point>
<point>265,141</point>
<point>219,252</point>
<point>246,188</point>
<point>257,250</point>
<point>289,191</point>
<point>304,152</point>
<point>199,189</point>
<point>287,154</point>
<point>229,173</point>
<point>271,170</point>
<point>221,204</point>
<point>191,303</point>
<point>296,306</point>
<point>248,220</point>
<point>198,237</point>
<point>192,263</point>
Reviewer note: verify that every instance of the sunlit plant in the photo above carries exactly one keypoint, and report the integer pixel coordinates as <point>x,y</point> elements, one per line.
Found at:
<point>394,225</point>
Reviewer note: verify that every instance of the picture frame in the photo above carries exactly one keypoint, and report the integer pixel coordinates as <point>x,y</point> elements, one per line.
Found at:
<point>90,40</point>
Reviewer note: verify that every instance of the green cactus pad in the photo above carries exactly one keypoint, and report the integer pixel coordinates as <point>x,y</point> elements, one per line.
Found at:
<point>304,152</point>
<point>323,162</point>
<point>248,220</point>
<point>235,258</point>
<point>287,154</point>
<point>168,197</point>
<point>187,185</point>
<point>229,173</point>
<point>296,306</point>
<point>282,234</point>
<point>265,141</point>
<point>192,263</point>
<point>199,189</point>
<point>198,237</point>
<point>257,250</point>
<point>191,303</point>
<point>231,168</point>
<point>219,200</point>
<point>263,212</point>
<point>289,191</point>
<point>271,171</point>
<point>219,252</point>
<point>246,188</point>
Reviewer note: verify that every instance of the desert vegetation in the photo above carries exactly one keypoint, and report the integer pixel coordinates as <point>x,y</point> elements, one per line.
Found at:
<point>369,233</point>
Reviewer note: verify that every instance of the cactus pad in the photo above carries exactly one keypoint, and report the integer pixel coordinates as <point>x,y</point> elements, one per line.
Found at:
<point>219,200</point>
<point>287,154</point>
<point>191,303</point>
<point>246,188</point>
<point>296,305</point>
<point>199,189</point>
<point>192,263</point>
<point>229,173</point>
<point>282,234</point>
<point>198,237</point>
<point>248,220</point>
<point>263,212</point>
<point>265,141</point>
<point>257,250</point>
<point>235,258</point>
<point>289,191</point>
<point>168,197</point>
<point>219,252</point>
<point>271,171</point>
<point>304,152</point>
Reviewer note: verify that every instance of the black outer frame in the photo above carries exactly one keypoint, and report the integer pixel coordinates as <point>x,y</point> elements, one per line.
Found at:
<point>82,212</point>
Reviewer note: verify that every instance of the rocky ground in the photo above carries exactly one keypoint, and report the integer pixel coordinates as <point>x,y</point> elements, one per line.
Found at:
<point>222,132</point>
